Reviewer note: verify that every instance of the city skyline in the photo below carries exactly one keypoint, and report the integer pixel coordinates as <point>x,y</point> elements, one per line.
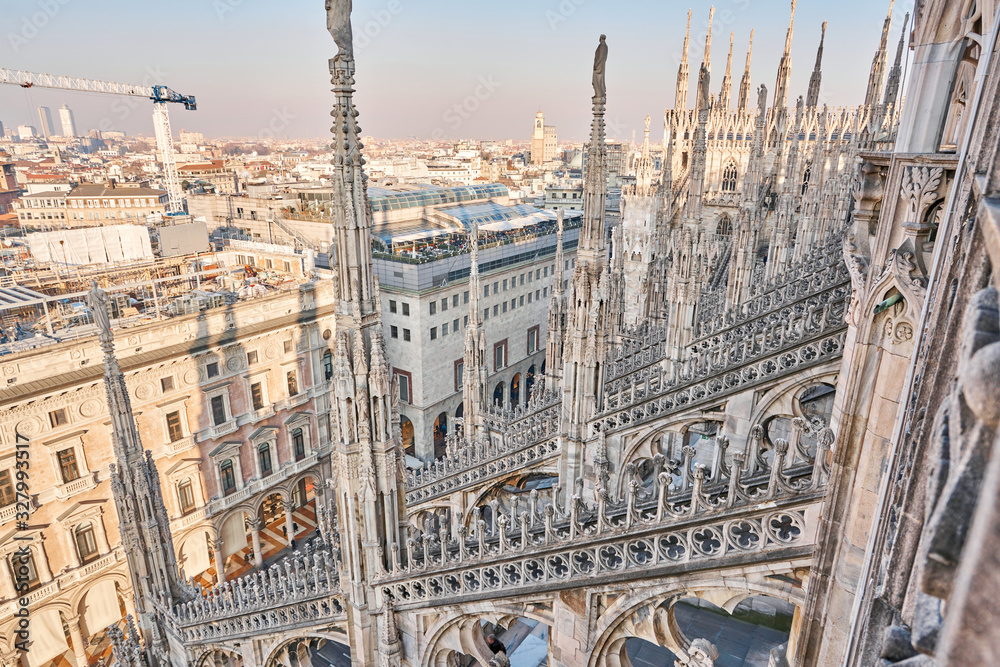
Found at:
<point>485,93</point>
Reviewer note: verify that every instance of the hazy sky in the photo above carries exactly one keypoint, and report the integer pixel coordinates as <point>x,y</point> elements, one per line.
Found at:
<point>260,67</point>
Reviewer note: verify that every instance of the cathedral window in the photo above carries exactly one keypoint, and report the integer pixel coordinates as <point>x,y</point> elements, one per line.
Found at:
<point>805,179</point>
<point>729,177</point>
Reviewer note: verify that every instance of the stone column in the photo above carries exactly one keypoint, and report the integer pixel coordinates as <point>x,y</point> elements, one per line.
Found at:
<point>258,558</point>
<point>42,564</point>
<point>102,536</point>
<point>7,591</point>
<point>74,555</point>
<point>220,568</point>
<point>289,528</point>
<point>79,645</point>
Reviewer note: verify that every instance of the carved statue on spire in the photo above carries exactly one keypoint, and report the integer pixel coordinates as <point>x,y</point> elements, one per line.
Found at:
<point>703,78</point>
<point>97,299</point>
<point>761,98</point>
<point>338,22</point>
<point>600,60</point>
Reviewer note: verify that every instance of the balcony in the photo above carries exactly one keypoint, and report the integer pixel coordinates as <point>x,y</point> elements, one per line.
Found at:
<point>8,513</point>
<point>291,402</point>
<point>253,487</point>
<point>182,445</point>
<point>255,416</point>
<point>187,520</point>
<point>70,489</point>
<point>215,432</point>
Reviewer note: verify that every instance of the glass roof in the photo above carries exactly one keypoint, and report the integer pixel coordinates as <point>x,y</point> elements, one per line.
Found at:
<point>403,200</point>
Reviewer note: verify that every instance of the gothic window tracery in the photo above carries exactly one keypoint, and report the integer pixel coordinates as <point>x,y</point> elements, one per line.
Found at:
<point>729,177</point>
<point>806,175</point>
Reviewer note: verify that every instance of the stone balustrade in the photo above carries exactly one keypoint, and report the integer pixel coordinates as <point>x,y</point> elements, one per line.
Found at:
<point>523,437</point>
<point>756,503</point>
<point>255,486</point>
<point>821,269</point>
<point>300,590</point>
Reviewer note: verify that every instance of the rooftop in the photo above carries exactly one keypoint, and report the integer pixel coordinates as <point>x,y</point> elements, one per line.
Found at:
<point>92,190</point>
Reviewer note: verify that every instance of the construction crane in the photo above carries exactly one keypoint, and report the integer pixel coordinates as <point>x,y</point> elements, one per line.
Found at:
<point>160,95</point>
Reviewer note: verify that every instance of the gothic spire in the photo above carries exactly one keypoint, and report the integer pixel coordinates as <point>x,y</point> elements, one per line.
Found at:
<point>370,498</point>
<point>557,317</point>
<point>785,67</point>
<point>812,97</point>
<point>879,63</point>
<point>706,62</point>
<point>473,389</point>
<point>896,73</point>
<point>744,100</point>
<point>727,79</point>
<point>644,167</point>
<point>592,236</point>
<point>135,487</point>
<point>681,95</point>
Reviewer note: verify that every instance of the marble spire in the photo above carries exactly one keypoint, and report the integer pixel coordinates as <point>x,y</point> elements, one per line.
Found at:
<point>744,99</point>
<point>706,62</point>
<point>727,79</point>
<point>812,97</point>
<point>896,73</point>
<point>785,67</point>
<point>681,94</point>
<point>879,63</point>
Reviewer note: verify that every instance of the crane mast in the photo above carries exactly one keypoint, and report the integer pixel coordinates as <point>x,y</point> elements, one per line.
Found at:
<point>160,95</point>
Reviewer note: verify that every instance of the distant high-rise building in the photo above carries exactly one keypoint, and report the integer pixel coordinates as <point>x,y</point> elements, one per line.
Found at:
<point>26,131</point>
<point>45,119</point>
<point>67,121</point>
<point>544,145</point>
<point>2,132</point>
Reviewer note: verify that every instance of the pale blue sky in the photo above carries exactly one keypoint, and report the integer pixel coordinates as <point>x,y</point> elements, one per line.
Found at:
<point>259,66</point>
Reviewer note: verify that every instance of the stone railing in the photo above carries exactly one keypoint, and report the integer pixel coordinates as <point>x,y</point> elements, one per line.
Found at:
<point>821,269</point>
<point>63,581</point>
<point>255,486</point>
<point>779,342</point>
<point>522,439</point>
<point>754,505</point>
<point>638,350</point>
<point>301,590</point>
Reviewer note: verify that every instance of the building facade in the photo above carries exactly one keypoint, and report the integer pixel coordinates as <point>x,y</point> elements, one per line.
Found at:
<point>794,412</point>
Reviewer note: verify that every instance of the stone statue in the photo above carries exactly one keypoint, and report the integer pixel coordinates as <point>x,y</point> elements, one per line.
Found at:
<point>703,82</point>
<point>338,22</point>
<point>762,98</point>
<point>97,300</point>
<point>600,60</point>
